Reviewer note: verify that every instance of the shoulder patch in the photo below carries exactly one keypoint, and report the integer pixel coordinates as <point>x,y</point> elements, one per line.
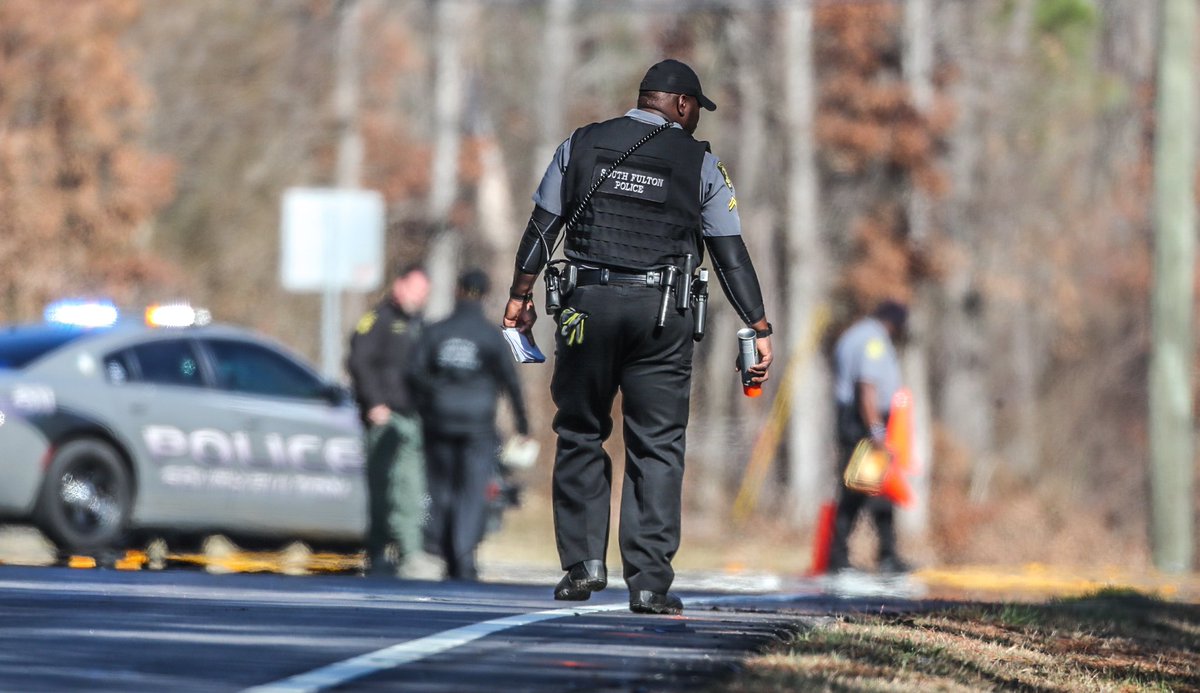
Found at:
<point>728,182</point>
<point>366,322</point>
<point>876,349</point>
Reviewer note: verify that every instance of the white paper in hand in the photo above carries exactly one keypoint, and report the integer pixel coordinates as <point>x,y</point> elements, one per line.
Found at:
<point>520,452</point>
<point>523,348</point>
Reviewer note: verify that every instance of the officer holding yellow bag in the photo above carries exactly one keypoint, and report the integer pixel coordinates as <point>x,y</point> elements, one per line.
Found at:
<point>866,377</point>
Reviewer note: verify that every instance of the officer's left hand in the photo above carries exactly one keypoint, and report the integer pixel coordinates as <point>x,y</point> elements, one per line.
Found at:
<point>759,370</point>
<point>519,314</point>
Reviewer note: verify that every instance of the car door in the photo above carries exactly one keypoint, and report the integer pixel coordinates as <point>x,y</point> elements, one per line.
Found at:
<point>302,432</point>
<point>185,461</point>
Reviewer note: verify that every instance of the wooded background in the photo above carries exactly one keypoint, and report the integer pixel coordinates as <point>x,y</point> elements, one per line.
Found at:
<point>988,161</point>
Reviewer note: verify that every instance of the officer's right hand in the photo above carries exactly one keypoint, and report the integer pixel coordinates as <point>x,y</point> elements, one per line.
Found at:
<point>519,314</point>
<point>379,414</point>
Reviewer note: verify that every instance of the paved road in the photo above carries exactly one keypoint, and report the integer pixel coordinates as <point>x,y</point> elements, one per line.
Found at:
<point>185,629</point>
<point>180,630</point>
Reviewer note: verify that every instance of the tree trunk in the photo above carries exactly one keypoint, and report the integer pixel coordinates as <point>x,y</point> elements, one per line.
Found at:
<point>558,53</point>
<point>1022,449</point>
<point>334,325</point>
<point>809,432</point>
<point>495,208</point>
<point>1172,448</point>
<point>346,97</point>
<point>918,73</point>
<point>750,127</point>
<point>964,400</point>
<point>448,89</point>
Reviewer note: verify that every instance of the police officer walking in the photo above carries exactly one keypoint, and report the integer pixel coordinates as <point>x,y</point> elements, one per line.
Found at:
<point>866,377</point>
<point>379,353</point>
<point>459,368</point>
<point>641,199</point>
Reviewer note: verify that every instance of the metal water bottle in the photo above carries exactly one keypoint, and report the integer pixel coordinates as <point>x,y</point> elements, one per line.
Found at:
<point>747,357</point>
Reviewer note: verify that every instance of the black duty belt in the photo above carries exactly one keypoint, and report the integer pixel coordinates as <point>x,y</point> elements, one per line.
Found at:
<point>589,277</point>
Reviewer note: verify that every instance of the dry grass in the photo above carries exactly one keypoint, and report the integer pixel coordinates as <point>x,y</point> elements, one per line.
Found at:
<point>1111,640</point>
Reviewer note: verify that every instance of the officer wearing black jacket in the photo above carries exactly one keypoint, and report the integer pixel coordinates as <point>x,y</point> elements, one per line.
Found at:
<point>459,368</point>
<point>379,354</point>
<point>641,200</point>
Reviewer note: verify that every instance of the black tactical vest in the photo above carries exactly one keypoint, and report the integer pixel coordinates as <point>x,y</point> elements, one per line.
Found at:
<point>647,214</point>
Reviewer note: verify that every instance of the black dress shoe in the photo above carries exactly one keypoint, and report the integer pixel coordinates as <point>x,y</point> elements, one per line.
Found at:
<point>581,580</point>
<point>893,565</point>
<point>379,566</point>
<point>647,602</point>
<point>839,565</point>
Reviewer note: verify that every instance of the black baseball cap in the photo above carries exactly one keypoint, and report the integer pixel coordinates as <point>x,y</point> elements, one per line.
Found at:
<point>474,282</point>
<point>893,312</point>
<point>674,77</point>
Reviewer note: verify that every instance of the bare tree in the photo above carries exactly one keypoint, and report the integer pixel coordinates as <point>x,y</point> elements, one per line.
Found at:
<point>346,95</point>
<point>349,167</point>
<point>557,58</point>
<point>717,408</point>
<point>449,87</point>
<point>1172,431</point>
<point>75,182</point>
<point>963,400</point>
<point>806,253</point>
<point>918,73</point>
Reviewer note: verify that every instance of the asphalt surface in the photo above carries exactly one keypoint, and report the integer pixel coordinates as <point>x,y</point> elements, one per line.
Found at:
<point>109,630</point>
<point>231,621</point>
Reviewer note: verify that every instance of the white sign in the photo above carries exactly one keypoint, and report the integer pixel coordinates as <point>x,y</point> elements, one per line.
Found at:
<point>332,239</point>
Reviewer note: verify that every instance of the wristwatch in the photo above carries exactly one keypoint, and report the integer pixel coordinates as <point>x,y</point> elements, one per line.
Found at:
<point>520,297</point>
<point>759,334</point>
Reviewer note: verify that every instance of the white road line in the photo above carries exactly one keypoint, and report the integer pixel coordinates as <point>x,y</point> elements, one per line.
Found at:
<point>403,653</point>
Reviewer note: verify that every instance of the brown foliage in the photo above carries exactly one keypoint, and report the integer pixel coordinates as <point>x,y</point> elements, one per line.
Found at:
<point>866,124</point>
<point>74,187</point>
<point>884,264</point>
<point>866,115</point>
<point>397,156</point>
<point>397,163</point>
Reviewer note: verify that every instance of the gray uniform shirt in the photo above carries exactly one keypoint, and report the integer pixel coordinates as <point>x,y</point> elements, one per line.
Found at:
<point>718,206</point>
<point>865,354</point>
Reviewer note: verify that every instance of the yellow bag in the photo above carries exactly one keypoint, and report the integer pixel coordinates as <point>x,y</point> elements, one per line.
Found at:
<point>868,465</point>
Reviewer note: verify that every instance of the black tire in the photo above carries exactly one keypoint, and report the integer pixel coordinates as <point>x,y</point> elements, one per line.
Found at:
<point>86,498</point>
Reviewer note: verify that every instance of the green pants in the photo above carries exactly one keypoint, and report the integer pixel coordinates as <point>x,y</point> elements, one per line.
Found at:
<point>395,486</point>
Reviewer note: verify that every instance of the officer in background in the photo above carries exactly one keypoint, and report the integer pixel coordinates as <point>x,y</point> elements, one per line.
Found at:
<point>379,353</point>
<point>866,376</point>
<point>459,368</point>
<point>668,200</point>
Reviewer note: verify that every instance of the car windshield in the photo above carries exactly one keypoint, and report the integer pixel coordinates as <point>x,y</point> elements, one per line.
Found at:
<point>21,346</point>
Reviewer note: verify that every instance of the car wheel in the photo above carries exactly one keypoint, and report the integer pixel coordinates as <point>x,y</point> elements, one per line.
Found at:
<point>86,498</point>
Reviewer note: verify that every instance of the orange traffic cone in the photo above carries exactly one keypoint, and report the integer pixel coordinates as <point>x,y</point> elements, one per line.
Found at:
<point>823,539</point>
<point>899,437</point>
<point>895,487</point>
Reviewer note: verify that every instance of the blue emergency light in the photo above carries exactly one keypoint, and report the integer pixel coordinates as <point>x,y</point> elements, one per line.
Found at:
<point>81,313</point>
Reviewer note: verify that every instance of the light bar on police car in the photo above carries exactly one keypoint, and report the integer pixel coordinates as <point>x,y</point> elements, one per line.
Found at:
<point>176,315</point>
<point>81,313</point>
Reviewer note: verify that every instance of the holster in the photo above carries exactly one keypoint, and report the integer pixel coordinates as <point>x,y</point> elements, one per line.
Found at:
<point>699,300</point>
<point>553,290</point>
<point>560,277</point>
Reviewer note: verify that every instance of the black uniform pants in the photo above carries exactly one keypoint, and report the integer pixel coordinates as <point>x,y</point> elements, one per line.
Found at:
<point>622,350</point>
<point>459,470</point>
<point>850,430</point>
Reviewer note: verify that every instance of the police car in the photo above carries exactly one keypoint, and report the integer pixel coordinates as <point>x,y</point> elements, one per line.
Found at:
<point>110,429</point>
